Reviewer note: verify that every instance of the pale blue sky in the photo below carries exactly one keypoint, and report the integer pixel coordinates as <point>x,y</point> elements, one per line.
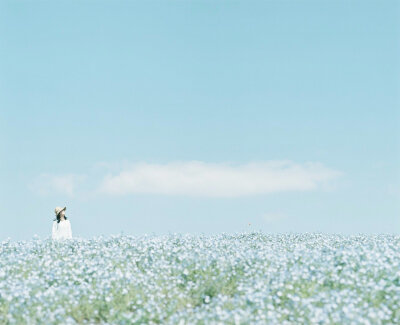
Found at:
<point>89,88</point>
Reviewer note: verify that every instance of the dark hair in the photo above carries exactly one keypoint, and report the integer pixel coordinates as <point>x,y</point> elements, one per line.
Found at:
<point>58,218</point>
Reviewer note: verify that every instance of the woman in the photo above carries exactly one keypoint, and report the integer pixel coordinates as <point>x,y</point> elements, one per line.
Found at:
<point>61,226</point>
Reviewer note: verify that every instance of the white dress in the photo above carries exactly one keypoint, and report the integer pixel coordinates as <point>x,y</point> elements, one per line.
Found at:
<point>61,230</point>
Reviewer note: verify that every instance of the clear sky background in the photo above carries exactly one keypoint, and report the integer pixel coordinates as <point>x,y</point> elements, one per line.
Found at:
<point>199,116</point>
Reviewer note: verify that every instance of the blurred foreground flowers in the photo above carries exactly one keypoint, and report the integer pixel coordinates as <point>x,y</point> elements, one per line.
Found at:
<point>249,278</point>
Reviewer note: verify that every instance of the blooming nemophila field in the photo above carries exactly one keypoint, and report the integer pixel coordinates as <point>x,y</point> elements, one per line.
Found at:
<point>248,278</point>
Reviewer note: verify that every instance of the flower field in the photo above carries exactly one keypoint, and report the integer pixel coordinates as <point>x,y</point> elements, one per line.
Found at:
<point>248,278</point>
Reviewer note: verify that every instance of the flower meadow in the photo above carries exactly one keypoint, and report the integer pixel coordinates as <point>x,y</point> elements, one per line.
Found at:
<point>245,278</point>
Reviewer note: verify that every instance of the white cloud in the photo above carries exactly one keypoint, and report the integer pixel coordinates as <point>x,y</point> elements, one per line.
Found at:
<point>46,184</point>
<point>196,178</point>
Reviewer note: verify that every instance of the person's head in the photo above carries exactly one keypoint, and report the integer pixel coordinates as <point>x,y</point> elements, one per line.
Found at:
<point>60,214</point>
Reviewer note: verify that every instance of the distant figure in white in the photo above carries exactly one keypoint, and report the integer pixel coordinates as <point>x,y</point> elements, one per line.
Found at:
<point>61,226</point>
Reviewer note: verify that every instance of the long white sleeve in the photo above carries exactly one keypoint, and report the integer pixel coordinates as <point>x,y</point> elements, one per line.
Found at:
<point>69,230</point>
<point>54,230</point>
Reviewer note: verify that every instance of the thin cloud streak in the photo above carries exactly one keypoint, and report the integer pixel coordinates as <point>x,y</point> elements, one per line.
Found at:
<point>200,179</point>
<point>273,217</point>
